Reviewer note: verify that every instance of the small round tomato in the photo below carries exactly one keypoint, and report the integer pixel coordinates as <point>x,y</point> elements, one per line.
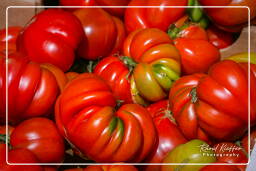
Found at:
<point>193,151</point>
<point>219,38</point>
<point>127,134</point>
<point>32,88</point>
<point>196,55</point>
<point>55,42</point>
<point>40,136</point>
<point>104,31</point>
<point>169,135</point>
<point>159,17</point>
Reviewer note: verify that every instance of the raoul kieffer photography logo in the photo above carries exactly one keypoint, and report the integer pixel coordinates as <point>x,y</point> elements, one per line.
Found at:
<point>220,150</point>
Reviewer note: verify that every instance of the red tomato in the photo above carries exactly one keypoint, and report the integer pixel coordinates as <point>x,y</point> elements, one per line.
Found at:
<point>13,33</point>
<point>125,135</point>
<point>138,18</point>
<point>231,19</point>
<point>193,32</point>
<point>32,89</point>
<point>182,105</point>
<point>211,104</point>
<point>107,168</point>
<point>114,11</point>
<point>18,156</point>
<point>220,168</point>
<point>71,75</point>
<point>219,38</point>
<point>41,136</point>
<point>158,64</point>
<point>196,55</point>
<point>111,168</point>
<point>55,41</point>
<point>77,3</point>
<point>116,74</point>
<point>169,136</point>
<point>103,31</point>
<point>252,141</point>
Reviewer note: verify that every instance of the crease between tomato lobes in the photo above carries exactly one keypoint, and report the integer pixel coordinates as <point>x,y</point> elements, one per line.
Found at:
<point>85,115</point>
<point>157,64</point>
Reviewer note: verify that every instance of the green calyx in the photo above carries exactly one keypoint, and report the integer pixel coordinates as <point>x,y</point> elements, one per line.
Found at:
<point>130,63</point>
<point>197,14</point>
<point>174,31</point>
<point>3,138</point>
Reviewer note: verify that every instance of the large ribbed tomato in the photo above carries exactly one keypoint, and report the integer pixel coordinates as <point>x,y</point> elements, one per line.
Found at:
<point>159,17</point>
<point>231,19</point>
<point>18,156</point>
<point>196,55</point>
<point>169,135</point>
<point>32,88</point>
<point>158,64</point>
<point>13,33</point>
<point>208,102</point>
<point>52,36</point>
<point>40,136</point>
<point>116,74</point>
<point>104,34</point>
<point>86,117</point>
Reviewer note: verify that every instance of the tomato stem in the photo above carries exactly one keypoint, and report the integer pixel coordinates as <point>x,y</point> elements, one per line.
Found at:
<point>3,138</point>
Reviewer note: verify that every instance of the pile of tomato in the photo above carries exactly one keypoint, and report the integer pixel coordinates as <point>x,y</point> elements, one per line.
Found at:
<point>141,84</point>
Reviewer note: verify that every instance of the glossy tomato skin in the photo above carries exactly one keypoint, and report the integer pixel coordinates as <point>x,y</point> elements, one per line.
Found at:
<point>18,156</point>
<point>47,144</point>
<point>193,32</point>
<point>182,106</point>
<point>190,152</point>
<point>81,109</point>
<point>32,89</point>
<point>169,135</point>
<point>218,79</point>
<point>161,18</point>
<point>77,3</point>
<point>56,41</point>
<point>13,33</point>
<point>103,30</point>
<point>158,64</point>
<point>219,38</point>
<point>196,55</point>
<point>220,168</point>
<point>116,74</point>
<point>230,19</point>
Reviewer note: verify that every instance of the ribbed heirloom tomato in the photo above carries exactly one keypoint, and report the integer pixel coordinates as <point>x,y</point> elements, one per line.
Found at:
<point>40,136</point>
<point>169,135</point>
<point>32,88</point>
<point>158,64</point>
<point>52,42</point>
<point>103,30</point>
<point>113,70</point>
<point>13,33</point>
<point>158,17</point>
<point>208,103</point>
<point>230,19</point>
<point>85,115</point>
